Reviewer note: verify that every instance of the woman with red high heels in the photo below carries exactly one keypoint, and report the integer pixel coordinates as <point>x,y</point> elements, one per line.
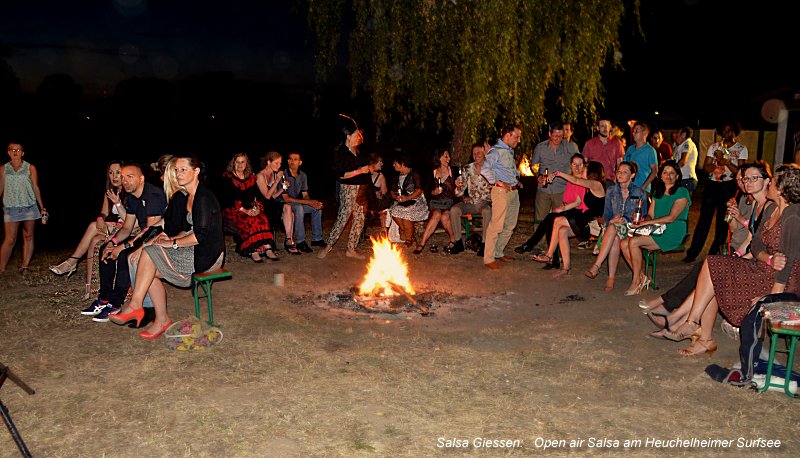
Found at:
<point>733,284</point>
<point>112,214</point>
<point>198,247</point>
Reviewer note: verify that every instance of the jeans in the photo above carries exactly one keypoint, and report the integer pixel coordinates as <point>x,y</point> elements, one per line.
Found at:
<point>300,210</point>
<point>690,184</point>
<point>114,278</point>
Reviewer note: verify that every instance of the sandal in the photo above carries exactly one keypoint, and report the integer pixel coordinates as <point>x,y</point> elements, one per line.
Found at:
<point>665,327</point>
<point>418,249</point>
<point>688,330</point>
<point>271,255</point>
<point>699,347</point>
<point>593,271</point>
<point>609,284</point>
<point>66,268</point>
<point>543,258</point>
<point>256,257</point>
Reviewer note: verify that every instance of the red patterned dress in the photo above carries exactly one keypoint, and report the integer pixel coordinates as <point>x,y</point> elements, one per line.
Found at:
<point>253,232</point>
<point>737,280</point>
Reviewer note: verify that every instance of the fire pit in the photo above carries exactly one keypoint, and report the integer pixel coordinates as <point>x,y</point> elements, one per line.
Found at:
<point>386,279</point>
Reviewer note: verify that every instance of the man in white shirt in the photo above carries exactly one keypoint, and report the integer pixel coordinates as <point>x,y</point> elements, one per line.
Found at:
<point>685,154</point>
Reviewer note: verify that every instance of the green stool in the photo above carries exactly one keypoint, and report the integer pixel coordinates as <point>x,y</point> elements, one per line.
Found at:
<point>650,261</point>
<point>790,335</point>
<point>204,281</point>
<point>466,223</point>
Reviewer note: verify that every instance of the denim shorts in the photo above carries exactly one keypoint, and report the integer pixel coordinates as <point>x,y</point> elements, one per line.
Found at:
<point>17,214</point>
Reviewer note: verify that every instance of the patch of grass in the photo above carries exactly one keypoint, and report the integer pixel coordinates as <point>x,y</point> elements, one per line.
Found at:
<point>361,444</point>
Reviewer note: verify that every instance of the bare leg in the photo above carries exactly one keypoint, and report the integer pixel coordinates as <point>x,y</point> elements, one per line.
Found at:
<point>433,221</point>
<point>27,242</point>
<point>448,228</point>
<point>159,297</point>
<point>564,233</point>
<point>88,241</point>
<point>613,261</point>
<point>146,274</point>
<point>288,223</point>
<point>635,245</point>
<point>11,230</point>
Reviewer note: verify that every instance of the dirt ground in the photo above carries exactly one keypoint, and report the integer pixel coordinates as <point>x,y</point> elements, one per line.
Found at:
<point>510,362</point>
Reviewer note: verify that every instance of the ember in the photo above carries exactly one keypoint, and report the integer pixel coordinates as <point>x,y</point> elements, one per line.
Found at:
<point>387,272</point>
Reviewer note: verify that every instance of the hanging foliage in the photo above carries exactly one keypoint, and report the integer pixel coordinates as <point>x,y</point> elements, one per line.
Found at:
<point>468,65</point>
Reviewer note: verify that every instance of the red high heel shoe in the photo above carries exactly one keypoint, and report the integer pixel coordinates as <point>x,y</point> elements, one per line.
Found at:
<point>123,318</point>
<point>148,335</point>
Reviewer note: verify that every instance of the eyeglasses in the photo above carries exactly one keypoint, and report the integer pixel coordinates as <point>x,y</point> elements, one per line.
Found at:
<point>15,150</point>
<point>750,179</point>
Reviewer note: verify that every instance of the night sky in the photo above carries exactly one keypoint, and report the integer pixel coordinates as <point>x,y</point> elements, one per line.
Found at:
<point>697,58</point>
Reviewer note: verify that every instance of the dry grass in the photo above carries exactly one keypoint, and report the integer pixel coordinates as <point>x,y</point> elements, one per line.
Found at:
<point>507,358</point>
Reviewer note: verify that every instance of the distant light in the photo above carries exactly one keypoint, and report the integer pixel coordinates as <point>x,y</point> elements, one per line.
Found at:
<point>88,118</point>
<point>657,113</point>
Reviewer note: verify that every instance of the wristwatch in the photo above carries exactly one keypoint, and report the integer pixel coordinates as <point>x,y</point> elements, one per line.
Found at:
<point>174,244</point>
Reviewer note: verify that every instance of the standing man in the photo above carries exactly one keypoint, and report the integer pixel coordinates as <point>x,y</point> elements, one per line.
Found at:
<point>145,204</point>
<point>297,197</point>
<point>501,172</point>
<point>605,149</point>
<point>662,148</point>
<point>552,155</point>
<point>685,154</point>
<point>644,156</point>
<point>722,162</point>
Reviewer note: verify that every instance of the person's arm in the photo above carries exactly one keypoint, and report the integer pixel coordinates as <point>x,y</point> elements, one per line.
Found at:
<point>2,180</point>
<point>269,191</point>
<point>381,184</point>
<point>487,170</point>
<point>651,177</point>
<point>593,185</point>
<point>790,244</point>
<point>113,249</point>
<point>36,191</point>
<point>569,206</point>
<point>684,157</point>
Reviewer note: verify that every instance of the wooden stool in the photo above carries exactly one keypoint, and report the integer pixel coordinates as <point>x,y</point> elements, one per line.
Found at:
<point>790,335</point>
<point>204,281</point>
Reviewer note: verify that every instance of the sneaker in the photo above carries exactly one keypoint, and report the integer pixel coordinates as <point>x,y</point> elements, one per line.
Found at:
<point>319,243</point>
<point>303,246</point>
<point>102,317</point>
<point>96,307</point>
<point>730,330</point>
<point>584,245</point>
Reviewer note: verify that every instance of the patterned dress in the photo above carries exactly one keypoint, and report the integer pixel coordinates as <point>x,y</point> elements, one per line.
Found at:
<point>737,280</point>
<point>253,231</point>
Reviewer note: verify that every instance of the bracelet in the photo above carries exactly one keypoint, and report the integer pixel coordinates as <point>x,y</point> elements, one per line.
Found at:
<point>746,223</point>
<point>558,173</point>
<point>769,260</point>
<point>738,253</point>
<point>114,241</point>
<point>100,218</point>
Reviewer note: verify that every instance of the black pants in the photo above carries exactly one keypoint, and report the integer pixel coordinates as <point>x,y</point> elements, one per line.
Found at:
<point>678,293</point>
<point>115,279</point>
<point>715,198</point>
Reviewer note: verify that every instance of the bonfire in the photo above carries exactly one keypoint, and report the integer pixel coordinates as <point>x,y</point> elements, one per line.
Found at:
<point>387,272</point>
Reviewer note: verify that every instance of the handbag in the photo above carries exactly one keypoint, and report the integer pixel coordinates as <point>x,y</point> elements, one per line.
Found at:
<point>594,228</point>
<point>441,204</point>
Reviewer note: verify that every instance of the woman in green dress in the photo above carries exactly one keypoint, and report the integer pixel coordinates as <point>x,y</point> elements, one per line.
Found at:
<point>670,207</point>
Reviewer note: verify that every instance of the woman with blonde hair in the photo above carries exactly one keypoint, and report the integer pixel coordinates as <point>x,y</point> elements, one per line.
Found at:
<point>272,184</point>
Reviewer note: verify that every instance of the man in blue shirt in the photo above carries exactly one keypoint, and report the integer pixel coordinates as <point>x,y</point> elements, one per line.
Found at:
<point>643,155</point>
<point>500,171</point>
<point>297,196</point>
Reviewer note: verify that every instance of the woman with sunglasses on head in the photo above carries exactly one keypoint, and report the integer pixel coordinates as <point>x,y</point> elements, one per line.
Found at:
<point>108,222</point>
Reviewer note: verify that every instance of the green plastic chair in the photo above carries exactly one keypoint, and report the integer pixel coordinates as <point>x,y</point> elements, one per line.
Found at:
<point>789,335</point>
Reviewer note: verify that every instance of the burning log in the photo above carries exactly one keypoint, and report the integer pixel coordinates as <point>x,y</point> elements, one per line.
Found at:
<point>400,290</point>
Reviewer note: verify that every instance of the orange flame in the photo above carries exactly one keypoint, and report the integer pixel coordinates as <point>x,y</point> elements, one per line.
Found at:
<point>386,269</point>
<point>525,168</point>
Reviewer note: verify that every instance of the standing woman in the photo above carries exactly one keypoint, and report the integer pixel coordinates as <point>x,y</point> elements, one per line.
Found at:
<point>245,212</point>
<point>198,247</point>
<point>353,173</point>
<point>443,196</point>
<point>19,186</point>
